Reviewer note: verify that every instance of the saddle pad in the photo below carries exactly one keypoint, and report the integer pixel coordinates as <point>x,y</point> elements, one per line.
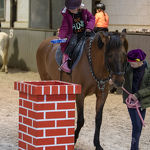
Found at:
<point>58,56</point>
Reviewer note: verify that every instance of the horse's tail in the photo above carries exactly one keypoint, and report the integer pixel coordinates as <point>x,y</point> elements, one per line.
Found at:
<point>41,61</point>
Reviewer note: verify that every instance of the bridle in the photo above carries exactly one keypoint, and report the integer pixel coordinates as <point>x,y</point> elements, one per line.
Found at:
<point>101,82</point>
<point>115,73</point>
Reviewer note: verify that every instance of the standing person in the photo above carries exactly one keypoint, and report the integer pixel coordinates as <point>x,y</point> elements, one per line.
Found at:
<point>137,82</point>
<point>101,18</point>
<point>76,20</point>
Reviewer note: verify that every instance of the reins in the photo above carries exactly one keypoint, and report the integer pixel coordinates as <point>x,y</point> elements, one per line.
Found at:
<point>133,104</point>
<point>100,82</point>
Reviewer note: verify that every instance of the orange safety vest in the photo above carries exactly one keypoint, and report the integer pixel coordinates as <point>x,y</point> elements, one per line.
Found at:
<point>101,20</point>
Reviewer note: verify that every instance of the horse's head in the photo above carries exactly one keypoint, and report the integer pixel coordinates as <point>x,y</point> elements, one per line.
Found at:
<point>115,46</point>
<point>115,56</point>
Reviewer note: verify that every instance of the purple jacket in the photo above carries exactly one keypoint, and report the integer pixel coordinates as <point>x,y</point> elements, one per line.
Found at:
<point>66,30</point>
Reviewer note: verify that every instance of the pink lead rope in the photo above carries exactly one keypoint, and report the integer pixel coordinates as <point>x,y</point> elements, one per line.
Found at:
<point>133,104</point>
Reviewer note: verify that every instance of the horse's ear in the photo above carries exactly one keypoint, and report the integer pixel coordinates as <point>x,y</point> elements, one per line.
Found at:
<point>123,33</point>
<point>100,43</point>
<point>104,35</point>
<point>124,40</point>
<point>102,39</point>
<point>117,31</point>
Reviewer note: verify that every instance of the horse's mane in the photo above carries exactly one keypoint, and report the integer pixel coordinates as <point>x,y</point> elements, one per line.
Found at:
<point>114,42</point>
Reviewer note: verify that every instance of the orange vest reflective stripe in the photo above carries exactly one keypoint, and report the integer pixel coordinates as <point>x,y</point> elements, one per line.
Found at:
<point>101,20</point>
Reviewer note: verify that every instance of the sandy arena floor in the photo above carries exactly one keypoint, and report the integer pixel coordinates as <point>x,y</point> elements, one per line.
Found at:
<point>115,130</point>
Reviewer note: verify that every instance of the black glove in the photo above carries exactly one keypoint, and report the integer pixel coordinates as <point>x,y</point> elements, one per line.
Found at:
<point>88,34</point>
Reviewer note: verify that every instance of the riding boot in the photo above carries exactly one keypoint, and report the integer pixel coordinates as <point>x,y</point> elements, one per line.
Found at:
<point>64,65</point>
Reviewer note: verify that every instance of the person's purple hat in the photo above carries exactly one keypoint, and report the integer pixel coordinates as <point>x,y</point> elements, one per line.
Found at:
<point>136,55</point>
<point>73,4</point>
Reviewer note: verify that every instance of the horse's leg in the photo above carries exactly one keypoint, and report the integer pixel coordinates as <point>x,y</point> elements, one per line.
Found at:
<point>3,66</point>
<point>80,115</point>
<point>5,60</point>
<point>98,120</point>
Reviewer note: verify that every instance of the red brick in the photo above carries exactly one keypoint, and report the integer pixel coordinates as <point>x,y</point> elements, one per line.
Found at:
<point>55,115</point>
<point>20,102</point>
<point>18,86</point>
<point>27,104</point>
<point>44,141</point>
<point>44,107</point>
<point>47,90</point>
<point>27,121</point>
<point>70,147</point>
<point>20,135</point>
<point>22,87</point>
<point>62,89</point>
<point>23,95</point>
<point>71,97</point>
<point>71,114</point>
<point>26,88</point>
<point>70,89</point>
<point>20,119</point>
<point>65,140</point>
<point>55,132</point>
<point>30,147</point>
<point>36,133</point>
<point>37,90</point>
<point>29,89</point>
<point>71,131</point>
<point>22,128</point>
<point>23,111</point>
<point>78,89</point>
<point>39,98</point>
<point>56,98</point>
<point>54,89</point>
<point>43,124</point>
<point>36,115</point>
<point>56,148</point>
<point>27,138</point>
<point>66,106</point>
<point>64,123</point>
<point>22,144</point>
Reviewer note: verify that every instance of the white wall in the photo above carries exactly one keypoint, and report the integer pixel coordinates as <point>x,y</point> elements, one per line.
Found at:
<point>6,24</point>
<point>132,14</point>
<point>22,14</point>
<point>88,4</point>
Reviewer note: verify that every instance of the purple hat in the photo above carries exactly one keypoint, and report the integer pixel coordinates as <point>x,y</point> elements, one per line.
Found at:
<point>73,4</point>
<point>136,55</point>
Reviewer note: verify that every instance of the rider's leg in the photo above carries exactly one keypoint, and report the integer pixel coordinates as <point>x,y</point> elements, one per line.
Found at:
<point>64,65</point>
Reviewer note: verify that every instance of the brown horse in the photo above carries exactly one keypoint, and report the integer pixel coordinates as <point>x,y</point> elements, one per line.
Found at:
<point>103,56</point>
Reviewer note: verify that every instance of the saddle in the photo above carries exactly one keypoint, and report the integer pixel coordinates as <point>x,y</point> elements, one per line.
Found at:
<point>74,51</point>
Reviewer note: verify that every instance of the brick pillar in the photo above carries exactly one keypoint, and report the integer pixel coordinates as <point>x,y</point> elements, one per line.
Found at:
<point>46,115</point>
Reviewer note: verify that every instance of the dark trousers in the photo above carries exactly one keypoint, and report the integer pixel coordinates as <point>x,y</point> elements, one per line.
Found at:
<point>136,126</point>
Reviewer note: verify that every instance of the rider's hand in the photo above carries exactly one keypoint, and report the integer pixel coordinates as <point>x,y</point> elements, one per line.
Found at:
<point>110,82</point>
<point>88,30</point>
<point>134,97</point>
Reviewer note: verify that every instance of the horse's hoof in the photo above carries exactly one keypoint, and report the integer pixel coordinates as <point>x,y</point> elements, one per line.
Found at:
<point>99,148</point>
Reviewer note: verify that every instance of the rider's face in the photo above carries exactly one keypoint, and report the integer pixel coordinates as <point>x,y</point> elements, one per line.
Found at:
<point>136,64</point>
<point>74,11</point>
